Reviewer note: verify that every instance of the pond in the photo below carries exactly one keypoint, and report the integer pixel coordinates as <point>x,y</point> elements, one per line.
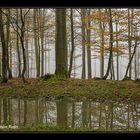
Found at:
<point>69,114</point>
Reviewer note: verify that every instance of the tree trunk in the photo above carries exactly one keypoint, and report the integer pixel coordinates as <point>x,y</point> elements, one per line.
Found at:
<point>22,35</point>
<point>129,42</point>
<point>36,44</point>
<point>83,14</point>
<point>130,61</point>
<point>110,44</point>
<point>61,43</point>
<point>117,45</point>
<point>72,45</point>
<point>18,48</point>
<point>27,54</point>
<point>42,41</point>
<point>7,43</point>
<point>4,50</point>
<point>102,50</point>
<point>89,46</point>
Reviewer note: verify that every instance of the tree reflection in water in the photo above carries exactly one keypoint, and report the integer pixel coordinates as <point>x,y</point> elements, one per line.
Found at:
<point>70,114</point>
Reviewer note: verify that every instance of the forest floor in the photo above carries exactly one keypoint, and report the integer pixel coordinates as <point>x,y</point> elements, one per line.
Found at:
<point>75,88</point>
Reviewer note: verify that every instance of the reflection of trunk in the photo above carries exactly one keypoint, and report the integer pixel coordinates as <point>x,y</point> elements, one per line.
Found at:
<point>111,113</point>
<point>0,110</point>
<point>19,111</point>
<point>107,114</point>
<point>4,111</point>
<point>84,113</point>
<point>100,116</point>
<point>128,125</point>
<point>73,114</point>
<point>41,112</point>
<point>135,117</point>
<point>45,110</point>
<point>9,111</point>
<point>25,112</point>
<point>36,111</point>
<point>89,114</point>
<point>61,114</point>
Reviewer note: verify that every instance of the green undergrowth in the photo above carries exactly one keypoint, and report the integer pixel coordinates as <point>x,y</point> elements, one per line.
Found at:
<point>75,88</point>
<point>45,128</point>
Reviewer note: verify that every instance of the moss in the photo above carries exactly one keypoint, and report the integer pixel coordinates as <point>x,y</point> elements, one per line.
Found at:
<point>76,88</point>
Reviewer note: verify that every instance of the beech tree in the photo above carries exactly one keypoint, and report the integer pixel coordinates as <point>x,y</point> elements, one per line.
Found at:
<point>61,43</point>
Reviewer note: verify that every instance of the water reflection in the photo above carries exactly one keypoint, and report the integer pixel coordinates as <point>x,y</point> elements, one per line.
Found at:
<point>70,114</point>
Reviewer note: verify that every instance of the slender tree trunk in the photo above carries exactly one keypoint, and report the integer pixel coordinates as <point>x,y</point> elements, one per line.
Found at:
<point>42,41</point>
<point>72,44</point>
<point>27,53</point>
<point>129,42</point>
<point>110,44</point>
<point>130,61</point>
<point>7,43</point>
<point>112,68</point>
<point>83,14</point>
<point>102,50</point>
<point>4,50</point>
<point>117,46</point>
<point>0,67</point>
<point>18,48</point>
<point>37,57</point>
<point>89,46</point>
<point>22,36</point>
<point>135,66</point>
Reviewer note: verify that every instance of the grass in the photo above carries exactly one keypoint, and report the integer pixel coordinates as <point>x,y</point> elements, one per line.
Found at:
<point>45,128</point>
<point>76,88</point>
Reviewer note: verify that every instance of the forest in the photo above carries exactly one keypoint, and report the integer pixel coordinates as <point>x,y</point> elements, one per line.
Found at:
<point>57,55</point>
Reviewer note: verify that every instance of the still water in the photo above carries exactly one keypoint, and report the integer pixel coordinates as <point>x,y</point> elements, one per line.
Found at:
<point>68,113</point>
